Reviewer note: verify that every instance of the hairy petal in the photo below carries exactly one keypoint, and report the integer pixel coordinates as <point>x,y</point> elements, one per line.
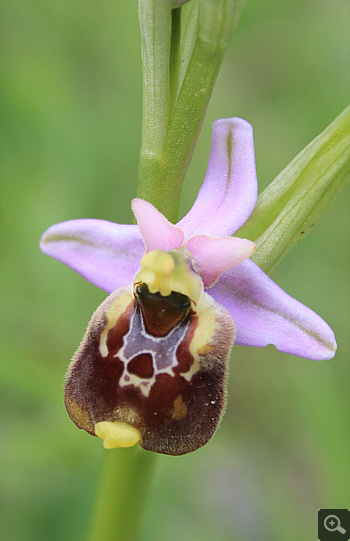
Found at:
<point>106,254</point>
<point>212,257</point>
<point>229,191</point>
<point>265,314</point>
<point>157,232</point>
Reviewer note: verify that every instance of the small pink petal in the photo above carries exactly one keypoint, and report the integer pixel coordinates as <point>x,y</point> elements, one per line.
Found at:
<point>157,232</point>
<point>212,257</point>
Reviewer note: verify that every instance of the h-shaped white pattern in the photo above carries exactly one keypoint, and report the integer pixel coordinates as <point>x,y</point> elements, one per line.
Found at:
<point>162,350</point>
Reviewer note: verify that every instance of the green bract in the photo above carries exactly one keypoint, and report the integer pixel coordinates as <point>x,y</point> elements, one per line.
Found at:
<point>298,197</point>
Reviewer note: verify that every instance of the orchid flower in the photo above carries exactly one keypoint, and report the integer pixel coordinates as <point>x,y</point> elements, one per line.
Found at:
<point>152,365</point>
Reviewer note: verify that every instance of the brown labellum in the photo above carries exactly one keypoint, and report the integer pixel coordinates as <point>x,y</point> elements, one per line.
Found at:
<point>156,363</point>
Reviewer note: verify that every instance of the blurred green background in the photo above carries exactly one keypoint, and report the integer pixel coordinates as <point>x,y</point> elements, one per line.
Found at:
<point>71,119</point>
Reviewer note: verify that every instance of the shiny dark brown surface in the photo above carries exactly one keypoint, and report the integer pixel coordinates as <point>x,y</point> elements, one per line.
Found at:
<point>160,313</point>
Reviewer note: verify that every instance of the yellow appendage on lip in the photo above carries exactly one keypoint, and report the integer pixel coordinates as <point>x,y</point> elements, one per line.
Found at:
<point>165,272</point>
<point>117,434</point>
<point>157,267</point>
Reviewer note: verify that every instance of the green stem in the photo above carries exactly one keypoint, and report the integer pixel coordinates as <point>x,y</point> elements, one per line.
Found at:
<point>189,30</point>
<point>161,176</point>
<point>123,488</point>
<point>155,25</point>
<point>175,61</point>
<point>160,183</point>
<point>179,74</point>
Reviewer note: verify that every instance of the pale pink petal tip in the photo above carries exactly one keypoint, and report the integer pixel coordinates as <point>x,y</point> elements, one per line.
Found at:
<point>157,232</point>
<point>229,191</point>
<point>213,256</point>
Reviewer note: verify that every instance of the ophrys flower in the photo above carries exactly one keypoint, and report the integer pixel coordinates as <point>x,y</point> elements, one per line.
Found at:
<point>152,365</point>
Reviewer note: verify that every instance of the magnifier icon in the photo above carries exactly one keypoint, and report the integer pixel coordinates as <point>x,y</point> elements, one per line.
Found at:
<point>332,524</point>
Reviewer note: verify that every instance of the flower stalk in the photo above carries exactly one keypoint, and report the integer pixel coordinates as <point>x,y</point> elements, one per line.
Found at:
<point>155,25</point>
<point>182,51</point>
<point>123,487</point>
<point>162,171</point>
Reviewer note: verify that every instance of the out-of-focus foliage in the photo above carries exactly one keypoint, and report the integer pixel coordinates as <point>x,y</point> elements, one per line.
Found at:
<point>297,198</point>
<point>71,121</point>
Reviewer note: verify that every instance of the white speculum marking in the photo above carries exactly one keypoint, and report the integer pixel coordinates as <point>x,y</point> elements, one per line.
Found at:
<point>162,350</point>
